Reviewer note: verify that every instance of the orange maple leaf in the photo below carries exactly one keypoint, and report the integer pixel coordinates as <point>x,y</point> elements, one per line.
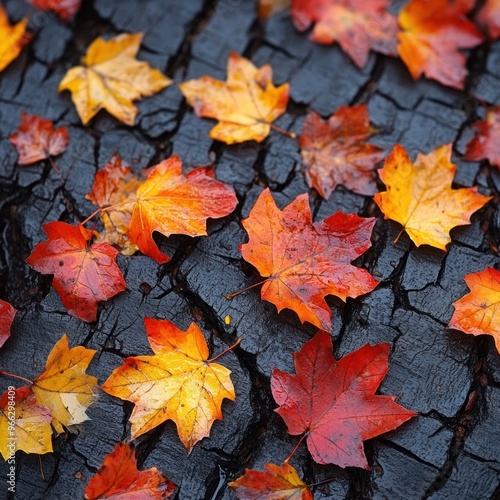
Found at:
<point>119,477</point>
<point>12,38</point>
<point>305,261</point>
<point>83,274</point>
<point>245,105</point>
<point>112,78</point>
<point>432,34</point>
<point>275,483</point>
<point>489,17</point>
<point>419,196</point>
<point>357,25</point>
<point>336,152</point>
<point>485,145</point>
<point>7,314</point>
<point>478,312</point>
<point>177,383</point>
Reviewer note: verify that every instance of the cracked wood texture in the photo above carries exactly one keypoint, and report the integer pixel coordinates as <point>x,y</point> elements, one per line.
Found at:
<point>449,451</point>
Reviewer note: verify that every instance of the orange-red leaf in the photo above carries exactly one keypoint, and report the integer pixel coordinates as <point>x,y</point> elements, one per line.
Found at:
<point>7,314</point>
<point>275,483</point>
<point>36,139</point>
<point>489,17</point>
<point>83,274</point>
<point>334,402</point>
<point>305,261</point>
<point>485,145</point>
<point>336,151</point>
<point>12,38</point>
<point>269,7</point>
<point>358,26</point>
<point>478,312</point>
<point>65,9</point>
<point>432,34</point>
<point>119,478</point>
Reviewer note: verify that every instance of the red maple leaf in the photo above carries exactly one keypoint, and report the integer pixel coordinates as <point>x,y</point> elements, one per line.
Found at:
<point>489,17</point>
<point>334,402</point>
<point>83,274</point>
<point>7,313</point>
<point>485,145</point>
<point>66,9</point>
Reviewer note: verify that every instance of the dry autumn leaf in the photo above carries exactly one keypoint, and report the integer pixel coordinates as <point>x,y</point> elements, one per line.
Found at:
<point>358,26</point>
<point>119,478</point>
<point>12,39</point>
<point>419,196</point>
<point>7,314</point>
<point>334,402</point>
<point>245,105</point>
<point>24,425</point>
<point>489,18</point>
<point>178,383</point>
<point>65,9</point>
<point>37,140</point>
<point>305,261</point>
<point>432,34</point>
<point>112,78</point>
<point>275,483</point>
<point>64,387</point>
<point>478,312</point>
<point>336,151</point>
<point>485,145</point>
<point>84,274</point>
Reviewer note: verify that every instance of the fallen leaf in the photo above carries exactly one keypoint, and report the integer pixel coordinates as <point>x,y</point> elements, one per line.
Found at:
<point>336,151</point>
<point>84,274</point>
<point>432,34</point>
<point>65,9</point>
<point>12,38</point>
<point>305,261</point>
<point>119,478</point>
<point>275,483</point>
<point>485,144</point>
<point>269,7</point>
<point>489,18</point>
<point>112,78</point>
<point>358,26</point>
<point>64,387</point>
<point>245,105</point>
<point>115,184</point>
<point>334,402</point>
<point>478,312</point>
<point>177,383</point>
<point>37,140</point>
<point>7,314</point>
<point>23,424</point>
<point>419,196</point>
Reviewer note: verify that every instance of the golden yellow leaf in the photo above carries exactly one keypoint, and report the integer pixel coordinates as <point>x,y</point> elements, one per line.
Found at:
<point>177,383</point>
<point>112,78</point>
<point>245,105</point>
<point>419,196</point>
<point>12,39</point>
<point>64,387</point>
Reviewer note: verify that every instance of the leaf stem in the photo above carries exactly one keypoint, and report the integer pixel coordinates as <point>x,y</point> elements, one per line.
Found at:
<point>230,348</point>
<point>105,209</point>
<point>329,480</point>
<point>295,449</point>
<point>280,130</point>
<point>53,164</point>
<point>7,374</point>
<point>231,296</point>
<point>398,236</point>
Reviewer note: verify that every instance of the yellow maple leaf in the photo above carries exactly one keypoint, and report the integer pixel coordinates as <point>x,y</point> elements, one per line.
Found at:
<point>419,196</point>
<point>245,105</point>
<point>12,39</point>
<point>64,387</point>
<point>112,78</point>
<point>23,424</point>
<point>177,383</point>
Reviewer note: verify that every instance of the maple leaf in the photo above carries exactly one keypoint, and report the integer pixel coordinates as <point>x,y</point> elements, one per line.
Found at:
<point>65,9</point>
<point>12,38</point>
<point>37,140</point>
<point>489,17</point>
<point>112,78</point>
<point>478,312</point>
<point>83,274</point>
<point>432,34</point>
<point>275,483</point>
<point>419,196</point>
<point>7,314</point>
<point>305,261</point>
<point>24,425</point>
<point>357,25</point>
<point>334,402</point>
<point>118,477</point>
<point>335,151</point>
<point>177,383</point>
<point>267,8</point>
<point>485,144</point>
<point>64,387</point>
<point>115,185</point>
<point>245,105</point>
